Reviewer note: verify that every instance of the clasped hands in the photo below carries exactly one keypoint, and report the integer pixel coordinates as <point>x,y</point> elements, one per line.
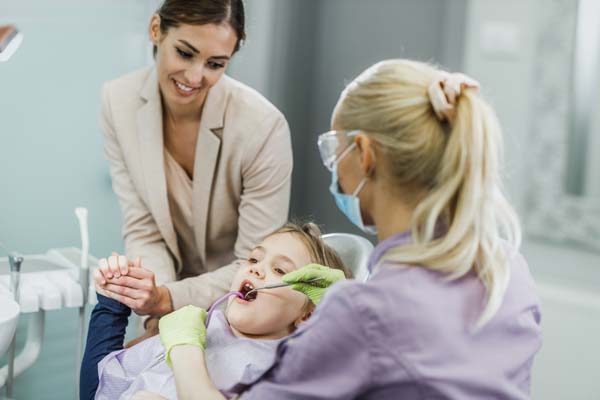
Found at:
<point>129,283</point>
<point>134,286</point>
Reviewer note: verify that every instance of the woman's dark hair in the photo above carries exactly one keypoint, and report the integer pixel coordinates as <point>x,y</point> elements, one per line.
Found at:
<point>174,13</point>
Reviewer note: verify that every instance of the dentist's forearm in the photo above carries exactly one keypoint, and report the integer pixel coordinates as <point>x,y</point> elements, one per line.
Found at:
<point>191,376</point>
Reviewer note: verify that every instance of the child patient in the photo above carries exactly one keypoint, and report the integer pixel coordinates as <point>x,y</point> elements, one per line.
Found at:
<point>240,342</point>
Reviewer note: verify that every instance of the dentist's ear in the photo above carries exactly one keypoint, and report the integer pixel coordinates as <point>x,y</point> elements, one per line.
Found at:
<point>366,150</point>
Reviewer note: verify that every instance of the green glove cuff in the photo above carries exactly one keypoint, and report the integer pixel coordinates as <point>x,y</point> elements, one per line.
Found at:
<point>314,290</point>
<point>312,271</point>
<point>184,326</point>
<point>313,293</point>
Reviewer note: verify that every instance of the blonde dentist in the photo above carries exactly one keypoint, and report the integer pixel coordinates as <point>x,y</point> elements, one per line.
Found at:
<point>201,163</point>
<point>450,310</point>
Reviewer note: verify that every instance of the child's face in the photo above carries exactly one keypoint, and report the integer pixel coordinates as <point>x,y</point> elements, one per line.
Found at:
<point>275,312</point>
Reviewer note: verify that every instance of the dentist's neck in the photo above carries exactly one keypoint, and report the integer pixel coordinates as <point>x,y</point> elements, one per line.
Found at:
<point>390,213</point>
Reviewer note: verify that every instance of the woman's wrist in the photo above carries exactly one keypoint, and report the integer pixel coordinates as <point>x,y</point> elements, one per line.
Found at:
<point>164,305</point>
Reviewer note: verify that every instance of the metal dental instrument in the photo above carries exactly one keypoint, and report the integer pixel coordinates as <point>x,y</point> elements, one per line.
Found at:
<point>161,357</point>
<point>15,260</point>
<point>278,285</point>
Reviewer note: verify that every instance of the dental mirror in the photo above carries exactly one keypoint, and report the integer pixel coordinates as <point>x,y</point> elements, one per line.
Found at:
<point>251,295</point>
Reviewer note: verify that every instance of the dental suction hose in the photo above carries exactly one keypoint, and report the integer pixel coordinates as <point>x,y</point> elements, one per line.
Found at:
<point>15,260</point>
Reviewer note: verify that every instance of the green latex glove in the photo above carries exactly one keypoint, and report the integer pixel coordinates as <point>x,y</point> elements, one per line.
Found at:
<point>184,326</point>
<point>314,290</point>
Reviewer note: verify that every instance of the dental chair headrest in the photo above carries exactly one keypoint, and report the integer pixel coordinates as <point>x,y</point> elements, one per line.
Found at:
<point>354,251</point>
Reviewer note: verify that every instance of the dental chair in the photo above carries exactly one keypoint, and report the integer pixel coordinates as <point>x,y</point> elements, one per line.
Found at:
<point>354,251</point>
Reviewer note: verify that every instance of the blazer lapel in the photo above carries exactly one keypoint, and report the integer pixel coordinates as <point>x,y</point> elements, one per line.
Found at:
<point>206,158</point>
<point>150,134</point>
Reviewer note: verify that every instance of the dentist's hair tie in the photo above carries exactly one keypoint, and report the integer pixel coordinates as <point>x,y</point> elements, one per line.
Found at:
<point>445,89</point>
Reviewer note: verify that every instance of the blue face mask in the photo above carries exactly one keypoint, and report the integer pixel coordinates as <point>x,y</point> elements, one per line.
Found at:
<point>350,204</point>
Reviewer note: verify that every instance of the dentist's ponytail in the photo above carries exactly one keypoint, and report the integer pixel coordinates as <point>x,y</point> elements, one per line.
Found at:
<point>437,134</point>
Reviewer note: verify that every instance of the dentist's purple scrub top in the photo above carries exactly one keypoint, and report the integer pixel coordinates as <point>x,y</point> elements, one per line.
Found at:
<point>408,334</point>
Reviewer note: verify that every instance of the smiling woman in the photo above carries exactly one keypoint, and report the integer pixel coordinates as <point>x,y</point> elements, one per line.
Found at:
<point>182,137</point>
<point>193,50</point>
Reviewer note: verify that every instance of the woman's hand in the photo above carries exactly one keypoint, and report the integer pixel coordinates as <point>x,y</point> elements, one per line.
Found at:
<point>132,285</point>
<point>184,326</point>
<point>314,290</point>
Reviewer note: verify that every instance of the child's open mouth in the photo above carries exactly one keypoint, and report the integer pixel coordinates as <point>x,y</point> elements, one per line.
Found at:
<point>247,287</point>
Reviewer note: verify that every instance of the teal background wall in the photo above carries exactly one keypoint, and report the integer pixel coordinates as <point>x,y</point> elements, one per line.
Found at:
<point>51,158</point>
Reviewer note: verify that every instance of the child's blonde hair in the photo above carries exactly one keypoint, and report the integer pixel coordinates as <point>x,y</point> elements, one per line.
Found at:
<point>453,164</point>
<point>320,253</point>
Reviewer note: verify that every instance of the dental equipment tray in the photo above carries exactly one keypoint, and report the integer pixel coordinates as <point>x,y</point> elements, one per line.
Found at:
<point>48,281</point>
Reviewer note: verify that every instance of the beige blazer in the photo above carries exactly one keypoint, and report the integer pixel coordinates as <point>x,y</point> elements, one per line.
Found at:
<point>241,188</point>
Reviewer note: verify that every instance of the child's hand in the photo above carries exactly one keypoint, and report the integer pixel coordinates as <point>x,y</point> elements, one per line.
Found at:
<point>112,268</point>
<point>115,266</point>
<point>99,283</point>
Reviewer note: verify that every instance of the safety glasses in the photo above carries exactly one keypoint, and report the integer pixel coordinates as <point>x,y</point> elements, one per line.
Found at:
<point>330,143</point>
